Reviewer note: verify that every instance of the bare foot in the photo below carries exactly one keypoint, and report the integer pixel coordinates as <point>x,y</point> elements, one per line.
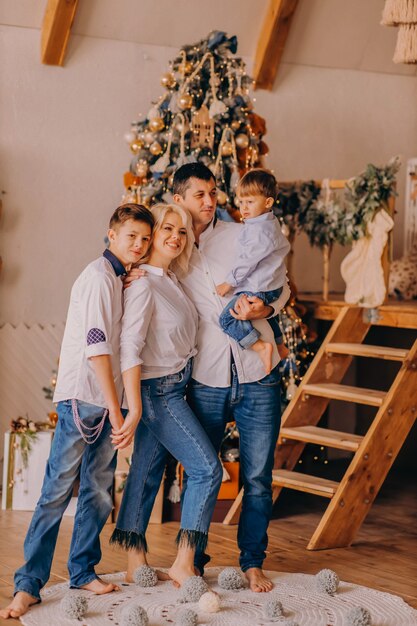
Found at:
<point>135,559</point>
<point>257,580</point>
<point>179,574</point>
<point>264,351</point>
<point>282,350</point>
<point>19,605</point>
<point>99,587</point>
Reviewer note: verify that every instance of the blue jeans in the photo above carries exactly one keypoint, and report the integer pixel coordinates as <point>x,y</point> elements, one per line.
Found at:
<point>168,424</point>
<point>95,464</point>
<point>243,331</point>
<point>256,409</point>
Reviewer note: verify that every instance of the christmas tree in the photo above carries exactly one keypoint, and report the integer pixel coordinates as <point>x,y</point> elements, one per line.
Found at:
<point>205,113</point>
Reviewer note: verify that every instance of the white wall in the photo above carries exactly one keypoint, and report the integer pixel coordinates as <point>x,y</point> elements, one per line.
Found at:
<point>63,153</point>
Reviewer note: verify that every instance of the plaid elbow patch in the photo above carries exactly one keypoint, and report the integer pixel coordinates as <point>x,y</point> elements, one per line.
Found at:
<point>95,335</point>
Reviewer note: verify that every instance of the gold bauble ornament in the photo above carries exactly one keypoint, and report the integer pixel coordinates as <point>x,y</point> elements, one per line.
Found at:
<point>136,145</point>
<point>156,124</point>
<point>185,101</point>
<point>235,125</point>
<point>227,148</point>
<point>188,67</point>
<point>168,80</point>
<point>171,180</point>
<point>149,137</point>
<point>155,148</point>
<point>242,140</point>
<point>221,197</point>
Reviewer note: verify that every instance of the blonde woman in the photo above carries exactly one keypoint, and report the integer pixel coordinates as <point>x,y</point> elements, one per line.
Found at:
<point>157,345</point>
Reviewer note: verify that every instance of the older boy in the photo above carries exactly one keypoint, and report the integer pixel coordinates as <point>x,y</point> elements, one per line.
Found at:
<point>89,389</point>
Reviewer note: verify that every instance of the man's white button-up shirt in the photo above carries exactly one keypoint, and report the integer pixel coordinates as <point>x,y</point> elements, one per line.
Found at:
<point>92,329</point>
<point>209,265</point>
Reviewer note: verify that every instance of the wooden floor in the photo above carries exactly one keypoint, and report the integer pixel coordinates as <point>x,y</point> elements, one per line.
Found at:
<point>384,556</point>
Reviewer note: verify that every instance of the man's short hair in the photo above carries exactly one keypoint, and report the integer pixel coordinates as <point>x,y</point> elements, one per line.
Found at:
<point>131,211</point>
<point>258,182</point>
<point>190,170</point>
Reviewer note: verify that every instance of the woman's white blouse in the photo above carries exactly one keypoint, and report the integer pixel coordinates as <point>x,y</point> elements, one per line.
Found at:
<point>159,326</point>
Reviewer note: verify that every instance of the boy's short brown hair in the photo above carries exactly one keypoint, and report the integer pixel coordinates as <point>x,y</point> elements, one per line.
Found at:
<point>131,211</point>
<point>258,182</point>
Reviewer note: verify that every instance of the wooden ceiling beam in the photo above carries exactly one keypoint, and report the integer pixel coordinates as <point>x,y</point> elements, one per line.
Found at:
<point>271,41</point>
<point>57,22</point>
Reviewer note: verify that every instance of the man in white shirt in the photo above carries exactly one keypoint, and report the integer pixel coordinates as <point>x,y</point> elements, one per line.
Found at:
<point>229,383</point>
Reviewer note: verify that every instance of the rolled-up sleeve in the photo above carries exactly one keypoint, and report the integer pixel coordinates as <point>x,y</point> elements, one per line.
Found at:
<point>98,305</point>
<point>138,308</point>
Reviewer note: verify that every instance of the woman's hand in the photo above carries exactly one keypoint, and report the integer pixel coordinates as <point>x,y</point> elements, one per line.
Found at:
<point>134,274</point>
<point>250,308</point>
<point>123,436</point>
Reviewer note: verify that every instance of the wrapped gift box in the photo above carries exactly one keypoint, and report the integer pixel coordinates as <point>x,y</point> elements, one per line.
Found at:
<point>22,486</point>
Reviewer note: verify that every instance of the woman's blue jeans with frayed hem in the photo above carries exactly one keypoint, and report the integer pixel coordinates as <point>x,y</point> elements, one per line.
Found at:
<point>168,424</point>
<point>70,456</point>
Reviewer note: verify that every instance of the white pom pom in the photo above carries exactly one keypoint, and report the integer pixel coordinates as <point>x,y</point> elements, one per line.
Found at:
<point>209,602</point>
<point>130,136</point>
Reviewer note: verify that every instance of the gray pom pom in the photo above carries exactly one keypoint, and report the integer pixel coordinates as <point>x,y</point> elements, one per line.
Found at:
<point>273,609</point>
<point>358,617</point>
<point>74,605</point>
<point>186,617</point>
<point>230,579</point>
<point>145,576</point>
<point>327,581</point>
<point>193,589</point>
<point>134,615</point>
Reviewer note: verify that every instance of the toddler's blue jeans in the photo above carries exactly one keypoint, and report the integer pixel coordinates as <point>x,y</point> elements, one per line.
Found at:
<point>243,331</point>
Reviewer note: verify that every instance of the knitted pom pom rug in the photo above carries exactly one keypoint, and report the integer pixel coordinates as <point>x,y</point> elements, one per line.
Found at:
<point>301,601</point>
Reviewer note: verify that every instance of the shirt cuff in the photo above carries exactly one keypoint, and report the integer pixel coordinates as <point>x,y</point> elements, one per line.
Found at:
<point>279,304</point>
<point>128,363</point>
<point>98,349</point>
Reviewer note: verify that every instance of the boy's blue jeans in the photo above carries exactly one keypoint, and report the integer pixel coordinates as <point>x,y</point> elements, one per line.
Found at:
<point>168,423</point>
<point>257,411</point>
<point>95,464</point>
<point>243,331</point>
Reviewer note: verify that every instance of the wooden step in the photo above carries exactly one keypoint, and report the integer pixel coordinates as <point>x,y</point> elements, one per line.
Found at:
<point>373,397</point>
<point>322,437</point>
<point>304,482</point>
<point>373,352</point>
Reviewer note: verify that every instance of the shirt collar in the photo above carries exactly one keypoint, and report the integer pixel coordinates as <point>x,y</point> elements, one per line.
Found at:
<point>119,268</point>
<point>151,269</point>
<point>265,217</point>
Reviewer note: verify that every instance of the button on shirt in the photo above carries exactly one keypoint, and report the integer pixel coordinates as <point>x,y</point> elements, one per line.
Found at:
<point>259,265</point>
<point>210,263</point>
<point>92,329</point>
<point>159,326</point>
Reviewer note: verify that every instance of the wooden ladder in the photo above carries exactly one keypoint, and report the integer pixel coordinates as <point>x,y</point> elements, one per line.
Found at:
<point>374,453</point>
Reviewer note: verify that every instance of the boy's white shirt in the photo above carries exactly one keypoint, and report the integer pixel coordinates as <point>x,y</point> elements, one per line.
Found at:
<point>96,303</point>
<point>209,264</point>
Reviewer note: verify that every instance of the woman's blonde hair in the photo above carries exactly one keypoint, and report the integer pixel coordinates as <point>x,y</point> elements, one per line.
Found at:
<point>179,265</point>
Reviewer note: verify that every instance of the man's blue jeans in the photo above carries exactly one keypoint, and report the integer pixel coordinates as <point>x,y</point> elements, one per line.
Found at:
<point>256,409</point>
<point>168,424</point>
<point>243,331</point>
<point>95,464</point>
